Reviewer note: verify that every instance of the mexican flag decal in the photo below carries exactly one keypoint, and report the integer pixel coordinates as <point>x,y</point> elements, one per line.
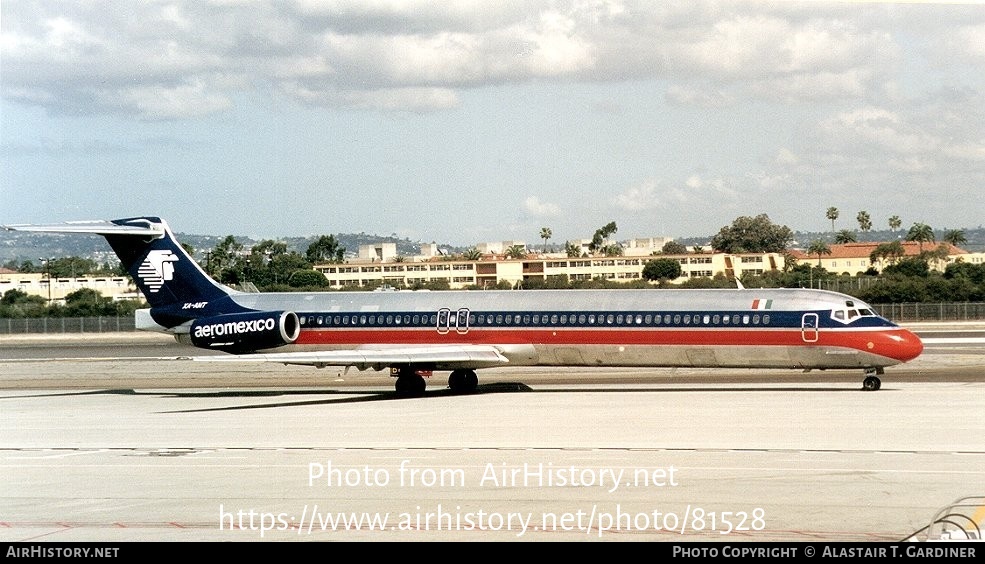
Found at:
<point>762,304</point>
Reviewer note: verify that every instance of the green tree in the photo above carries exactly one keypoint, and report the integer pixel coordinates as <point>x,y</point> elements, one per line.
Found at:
<point>832,214</point>
<point>889,253</point>
<point>895,223</point>
<point>613,250</point>
<point>818,247</point>
<point>864,221</point>
<point>921,233</point>
<point>325,249</point>
<point>282,266</point>
<point>18,303</point>
<point>516,252</point>
<point>224,261</point>
<point>908,267</point>
<point>472,253</point>
<point>307,279</point>
<point>70,267</point>
<point>673,248</point>
<point>601,234</point>
<point>545,234</point>
<point>955,237</point>
<point>752,235</point>
<point>572,250</point>
<point>87,302</point>
<point>662,269</point>
<point>845,236</point>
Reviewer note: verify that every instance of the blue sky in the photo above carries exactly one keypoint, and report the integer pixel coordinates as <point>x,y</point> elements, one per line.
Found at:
<point>472,121</point>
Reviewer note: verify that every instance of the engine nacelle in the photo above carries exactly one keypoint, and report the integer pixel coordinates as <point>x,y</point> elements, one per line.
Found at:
<point>245,332</point>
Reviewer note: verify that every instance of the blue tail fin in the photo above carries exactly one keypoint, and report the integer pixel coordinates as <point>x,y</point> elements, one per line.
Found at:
<point>173,284</point>
<point>160,267</point>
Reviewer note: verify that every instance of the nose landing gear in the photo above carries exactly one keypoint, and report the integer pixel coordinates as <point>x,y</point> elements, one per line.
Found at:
<point>872,382</point>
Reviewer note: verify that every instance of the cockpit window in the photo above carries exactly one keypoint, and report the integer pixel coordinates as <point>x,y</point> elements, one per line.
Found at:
<point>849,314</point>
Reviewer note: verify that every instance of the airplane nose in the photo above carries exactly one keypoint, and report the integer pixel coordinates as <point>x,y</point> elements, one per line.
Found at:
<point>906,345</point>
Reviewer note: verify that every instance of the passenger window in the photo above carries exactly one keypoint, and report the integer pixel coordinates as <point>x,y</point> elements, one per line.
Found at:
<point>706,319</point>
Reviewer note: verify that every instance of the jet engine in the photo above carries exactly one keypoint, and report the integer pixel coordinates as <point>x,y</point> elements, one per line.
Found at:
<point>245,332</point>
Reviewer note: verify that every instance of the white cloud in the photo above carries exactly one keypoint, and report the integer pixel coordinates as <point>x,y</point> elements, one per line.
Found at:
<point>536,208</point>
<point>640,197</point>
<point>331,52</point>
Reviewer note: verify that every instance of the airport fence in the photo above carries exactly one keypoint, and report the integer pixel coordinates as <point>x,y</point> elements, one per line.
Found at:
<point>911,312</point>
<point>58,325</point>
<point>902,313</point>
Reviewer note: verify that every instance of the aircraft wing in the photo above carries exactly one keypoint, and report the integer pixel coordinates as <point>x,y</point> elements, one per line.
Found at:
<point>440,357</point>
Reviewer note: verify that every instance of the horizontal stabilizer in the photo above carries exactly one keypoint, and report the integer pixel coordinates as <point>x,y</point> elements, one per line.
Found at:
<point>98,227</point>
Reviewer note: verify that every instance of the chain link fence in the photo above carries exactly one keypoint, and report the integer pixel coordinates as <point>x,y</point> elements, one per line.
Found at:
<point>14,326</point>
<point>967,311</point>
<point>902,313</point>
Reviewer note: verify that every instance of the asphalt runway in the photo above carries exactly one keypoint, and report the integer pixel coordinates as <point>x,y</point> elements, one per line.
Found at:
<point>114,441</point>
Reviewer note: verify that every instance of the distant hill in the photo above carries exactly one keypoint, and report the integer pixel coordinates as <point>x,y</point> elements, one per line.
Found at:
<point>19,246</point>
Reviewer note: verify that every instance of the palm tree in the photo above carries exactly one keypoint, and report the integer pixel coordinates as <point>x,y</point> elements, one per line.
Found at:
<point>472,253</point>
<point>864,221</point>
<point>921,233</point>
<point>955,237</point>
<point>845,236</point>
<point>818,247</point>
<point>832,214</point>
<point>895,223</point>
<point>516,252</point>
<point>545,234</point>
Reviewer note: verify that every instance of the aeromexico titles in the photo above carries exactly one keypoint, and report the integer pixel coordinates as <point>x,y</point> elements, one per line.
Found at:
<point>462,331</point>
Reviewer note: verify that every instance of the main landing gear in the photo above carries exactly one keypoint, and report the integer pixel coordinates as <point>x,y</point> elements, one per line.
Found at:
<point>463,381</point>
<point>872,381</point>
<point>410,383</point>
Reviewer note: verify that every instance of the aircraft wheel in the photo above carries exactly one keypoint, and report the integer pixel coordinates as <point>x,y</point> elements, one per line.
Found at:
<point>463,381</point>
<point>871,384</point>
<point>411,385</point>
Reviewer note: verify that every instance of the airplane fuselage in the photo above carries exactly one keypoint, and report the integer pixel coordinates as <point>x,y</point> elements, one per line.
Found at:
<point>767,328</point>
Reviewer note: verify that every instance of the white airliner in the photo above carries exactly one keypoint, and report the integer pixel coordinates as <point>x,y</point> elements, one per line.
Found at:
<point>463,331</point>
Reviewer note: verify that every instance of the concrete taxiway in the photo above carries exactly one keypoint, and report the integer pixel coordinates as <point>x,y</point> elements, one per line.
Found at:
<point>98,447</point>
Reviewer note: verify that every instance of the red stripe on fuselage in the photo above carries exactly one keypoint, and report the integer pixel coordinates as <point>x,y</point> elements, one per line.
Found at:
<point>878,341</point>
